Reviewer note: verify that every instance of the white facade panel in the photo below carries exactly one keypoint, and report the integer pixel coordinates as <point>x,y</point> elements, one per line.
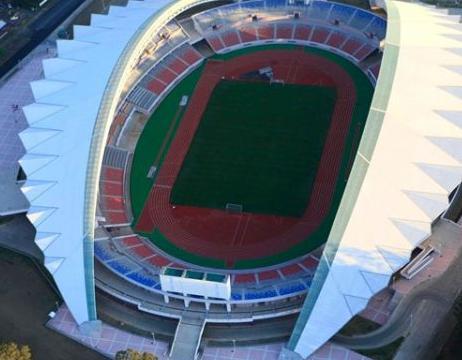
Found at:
<point>201,287</point>
<point>416,163</point>
<point>58,145</point>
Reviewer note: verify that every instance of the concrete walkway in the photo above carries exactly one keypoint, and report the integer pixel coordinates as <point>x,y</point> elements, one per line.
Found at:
<point>187,338</point>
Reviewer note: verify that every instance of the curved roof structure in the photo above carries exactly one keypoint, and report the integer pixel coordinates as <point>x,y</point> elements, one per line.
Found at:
<point>409,161</point>
<point>68,125</point>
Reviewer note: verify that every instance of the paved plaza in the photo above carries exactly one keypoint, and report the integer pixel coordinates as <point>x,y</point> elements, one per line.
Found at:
<point>110,340</point>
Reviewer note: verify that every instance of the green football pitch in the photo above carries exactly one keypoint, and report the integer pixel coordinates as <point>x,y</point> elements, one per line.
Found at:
<point>160,130</point>
<point>258,145</point>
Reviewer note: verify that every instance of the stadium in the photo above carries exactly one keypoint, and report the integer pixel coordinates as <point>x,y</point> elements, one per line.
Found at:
<point>243,172</point>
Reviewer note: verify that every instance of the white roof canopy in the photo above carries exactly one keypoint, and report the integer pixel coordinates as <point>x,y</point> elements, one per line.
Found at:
<point>409,160</point>
<point>58,139</point>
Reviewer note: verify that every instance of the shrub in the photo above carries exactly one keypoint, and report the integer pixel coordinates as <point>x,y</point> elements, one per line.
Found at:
<point>11,351</point>
<point>131,354</point>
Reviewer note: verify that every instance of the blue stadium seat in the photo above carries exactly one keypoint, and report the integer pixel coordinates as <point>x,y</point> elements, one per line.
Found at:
<point>275,3</point>
<point>141,278</point>
<point>236,296</point>
<point>292,288</point>
<point>378,27</point>
<point>260,295</point>
<point>103,251</point>
<point>361,19</point>
<point>341,13</point>
<point>319,9</point>
<point>122,265</point>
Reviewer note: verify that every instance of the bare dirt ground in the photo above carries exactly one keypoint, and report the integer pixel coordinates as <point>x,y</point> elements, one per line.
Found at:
<point>25,300</point>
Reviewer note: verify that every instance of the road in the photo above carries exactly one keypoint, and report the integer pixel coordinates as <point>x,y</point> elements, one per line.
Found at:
<point>39,30</point>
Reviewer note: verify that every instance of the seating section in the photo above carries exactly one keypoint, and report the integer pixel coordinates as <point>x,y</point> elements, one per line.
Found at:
<point>132,258</point>
<point>305,268</point>
<point>378,28</point>
<point>167,39</point>
<point>336,39</point>
<point>358,47</point>
<point>119,120</point>
<point>123,265</point>
<point>350,30</point>
<point>144,278</point>
<point>248,34</point>
<point>319,10</point>
<point>230,38</point>
<point>111,201</point>
<point>284,30</point>
<point>340,15</point>
<point>105,250</point>
<point>167,58</point>
<point>361,20</point>
<point>162,76</point>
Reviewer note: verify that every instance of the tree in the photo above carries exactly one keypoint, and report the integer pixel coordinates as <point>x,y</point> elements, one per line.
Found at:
<point>131,354</point>
<point>11,351</point>
<point>27,4</point>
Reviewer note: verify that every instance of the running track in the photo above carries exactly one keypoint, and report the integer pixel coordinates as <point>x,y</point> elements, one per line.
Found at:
<point>216,234</point>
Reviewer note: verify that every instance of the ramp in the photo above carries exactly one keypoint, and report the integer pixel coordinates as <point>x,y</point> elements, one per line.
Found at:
<point>187,337</point>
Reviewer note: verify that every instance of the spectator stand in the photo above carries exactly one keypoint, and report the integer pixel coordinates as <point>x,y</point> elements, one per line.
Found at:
<point>351,32</point>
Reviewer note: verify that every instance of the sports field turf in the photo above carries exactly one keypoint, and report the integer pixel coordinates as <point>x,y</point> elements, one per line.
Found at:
<point>257,145</point>
<point>165,117</point>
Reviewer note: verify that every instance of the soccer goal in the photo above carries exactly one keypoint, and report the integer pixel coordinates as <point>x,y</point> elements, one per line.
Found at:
<point>233,208</point>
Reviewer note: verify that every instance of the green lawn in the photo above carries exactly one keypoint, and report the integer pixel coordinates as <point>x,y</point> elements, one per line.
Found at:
<point>257,145</point>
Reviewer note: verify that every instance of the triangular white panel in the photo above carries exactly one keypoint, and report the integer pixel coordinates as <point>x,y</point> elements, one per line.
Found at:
<point>451,146</point>
<point>414,231</point>
<point>396,258</point>
<point>34,188</point>
<point>375,281</point>
<point>36,111</point>
<point>44,239</point>
<point>431,204</point>
<point>67,47</point>
<point>38,214</point>
<point>33,162</point>
<point>453,90</point>
<point>53,263</point>
<point>456,37</point>
<point>355,304</point>
<point>101,20</point>
<point>56,65</point>
<point>454,26</point>
<point>448,177</point>
<point>454,117</point>
<point>115,10</point>
<point>31,136</point>
<point>453,50</point>
<point>455,69</point>
<point>85,33</point>
<point>42,88</point>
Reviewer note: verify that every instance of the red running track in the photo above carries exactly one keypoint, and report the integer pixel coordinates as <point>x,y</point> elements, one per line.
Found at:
<point>216,234</point>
